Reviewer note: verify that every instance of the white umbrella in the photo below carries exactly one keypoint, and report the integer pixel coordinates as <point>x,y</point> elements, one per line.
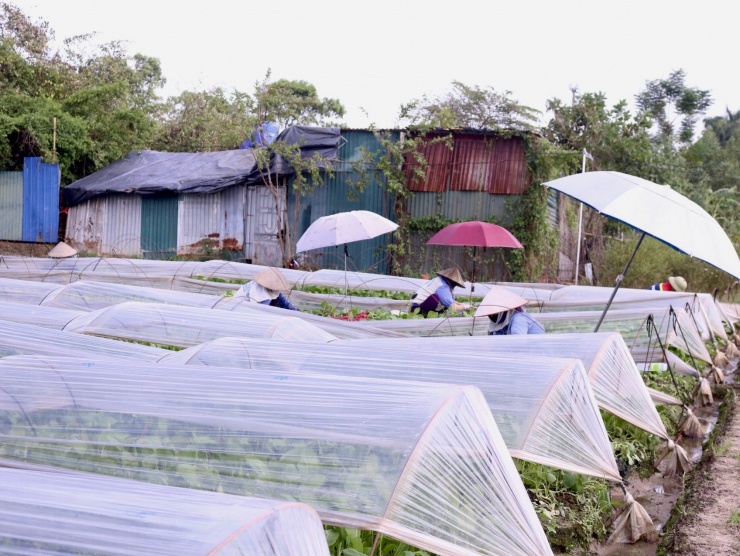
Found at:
<point>655,210</point>
<point>344,228</point>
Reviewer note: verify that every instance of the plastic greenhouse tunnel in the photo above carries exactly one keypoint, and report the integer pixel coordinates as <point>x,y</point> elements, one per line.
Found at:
<point>421,462</point>
<point>543,407</point>
<point>26,339</point>
<point>613,376</point>
<point>187,326</point>
<point>48,512</point>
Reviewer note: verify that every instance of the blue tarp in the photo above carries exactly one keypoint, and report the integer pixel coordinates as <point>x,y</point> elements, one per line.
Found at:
<point>153,172</point>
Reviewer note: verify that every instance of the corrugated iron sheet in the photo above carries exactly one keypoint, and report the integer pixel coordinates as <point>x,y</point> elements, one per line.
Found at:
<point>438,158</point>
<point>477,162</point>
<point>463,205</point>
<point>11,206</point>
<point>218,217</point>
<point>109,225</point>
<point>121,225</point>
<point>159,226</point>
<point>40,200</point>
<point>340,193</point>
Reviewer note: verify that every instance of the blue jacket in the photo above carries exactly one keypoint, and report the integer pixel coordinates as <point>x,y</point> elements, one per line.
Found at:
<point>520,323</point>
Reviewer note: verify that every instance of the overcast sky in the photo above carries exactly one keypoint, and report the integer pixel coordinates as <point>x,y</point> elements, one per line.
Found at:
<point>373,55</point>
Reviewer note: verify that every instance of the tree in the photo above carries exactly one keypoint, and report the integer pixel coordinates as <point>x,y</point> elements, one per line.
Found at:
<point>673,106</point>
<point>205,121</point>
<point>103,99</point>
<point>724,127</point>
<point>469,106</point>
<point>289,103</point>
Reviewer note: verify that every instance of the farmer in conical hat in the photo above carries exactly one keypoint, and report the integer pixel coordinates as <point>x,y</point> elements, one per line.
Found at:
<point>267,288</point>
<point>506,312</point>
<point>674,284</point>
<point>437,295</point>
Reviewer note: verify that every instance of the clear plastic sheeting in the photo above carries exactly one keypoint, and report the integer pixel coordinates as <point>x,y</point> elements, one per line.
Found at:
<point>544,407</point>
<point>26,339</point>
<point>434,473</point>
<point>46,317</point>
<point>48,512</point>
<point>631,324</point>
<point>339,328</point>
<point>25,291</point>
<point>89,295</point>
<point>188,326</point>
<point>684,336</point>
<point>614,378</point>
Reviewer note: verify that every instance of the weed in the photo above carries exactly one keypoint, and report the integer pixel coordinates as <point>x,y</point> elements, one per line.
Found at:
<point>572,508</point>
<point>718,450</point>
<point>735,517</point>
<point>353,542</point>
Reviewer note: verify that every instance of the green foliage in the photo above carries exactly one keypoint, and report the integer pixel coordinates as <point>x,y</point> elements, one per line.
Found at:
<point>353,292</point>
<point>655,262</point>
<point>572,508</point>
<point>669,100</point>
<point>725,127</point>
<point>290,103</point>
<point>469,106</point>
<point>530,223</point>
<point>616,140</point>
<point>205,121</point>
<point>103,101</point>
<point>353,542</point>
<point>633,447</point>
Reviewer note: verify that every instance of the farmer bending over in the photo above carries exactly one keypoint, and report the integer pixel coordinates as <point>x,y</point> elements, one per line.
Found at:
<point>437,295</point>
<point>267,288</point>
<point>506,312</point>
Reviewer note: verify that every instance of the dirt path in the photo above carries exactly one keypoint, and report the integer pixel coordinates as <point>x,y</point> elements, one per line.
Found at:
<point>711,524</point>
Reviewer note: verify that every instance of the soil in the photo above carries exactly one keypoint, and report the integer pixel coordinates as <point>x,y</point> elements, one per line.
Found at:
<point>23,249</point>
<point>709,520</point>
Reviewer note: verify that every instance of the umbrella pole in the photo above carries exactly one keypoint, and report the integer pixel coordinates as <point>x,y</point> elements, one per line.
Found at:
<point>472,284</point>
<point>346,283</point>
<point>619,282</point>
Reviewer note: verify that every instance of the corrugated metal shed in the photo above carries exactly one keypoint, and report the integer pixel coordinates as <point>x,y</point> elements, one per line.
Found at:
<point>476,162</point>
<point>108,225</point>
<point>218,217</point>
<point>121,225</point>
<point>463,205</point>
<point>339,193</point>
<point>11,206</point>
<point>40,200</point>
<point>159,226</point>
<point>438,157</point>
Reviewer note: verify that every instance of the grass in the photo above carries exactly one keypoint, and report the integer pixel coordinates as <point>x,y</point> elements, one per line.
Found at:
<point>735,517</point>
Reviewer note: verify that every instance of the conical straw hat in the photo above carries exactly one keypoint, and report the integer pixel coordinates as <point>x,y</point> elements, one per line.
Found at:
<point>272,279</point>
<point>452,273</point>
<point>678,283</point>
<point>61,251</point>
<point>499,300</point>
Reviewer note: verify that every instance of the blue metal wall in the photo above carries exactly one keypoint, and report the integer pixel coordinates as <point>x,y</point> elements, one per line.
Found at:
<point>339,193</point>
<point>40,201</point>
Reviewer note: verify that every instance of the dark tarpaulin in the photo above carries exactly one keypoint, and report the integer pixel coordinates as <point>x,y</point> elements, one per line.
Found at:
<point>323,141</point>
<point>153,172</point>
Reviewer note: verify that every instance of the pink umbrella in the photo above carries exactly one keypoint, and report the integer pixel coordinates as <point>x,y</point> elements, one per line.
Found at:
<point>475,234</point>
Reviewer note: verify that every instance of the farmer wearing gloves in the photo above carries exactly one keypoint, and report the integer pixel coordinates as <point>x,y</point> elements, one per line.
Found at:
<point>506,312</point>
<point>437,295</point>
<point>674,284</point>
<point>267,288</point>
